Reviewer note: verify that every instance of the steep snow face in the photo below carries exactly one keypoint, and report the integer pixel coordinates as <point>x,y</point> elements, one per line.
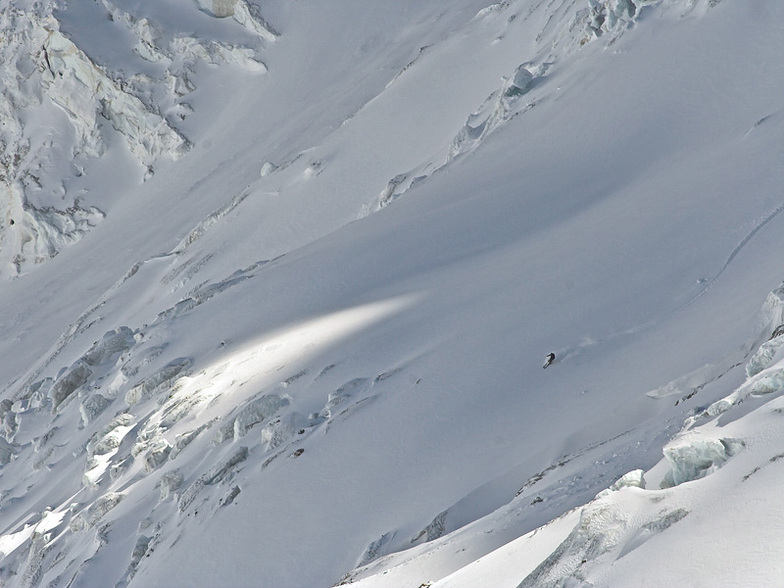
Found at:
<point>659,515</point>
<point>304,260</point>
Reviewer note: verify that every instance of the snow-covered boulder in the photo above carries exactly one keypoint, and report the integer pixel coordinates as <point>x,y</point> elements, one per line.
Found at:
<point>633,479</point>
<point>157,455</point>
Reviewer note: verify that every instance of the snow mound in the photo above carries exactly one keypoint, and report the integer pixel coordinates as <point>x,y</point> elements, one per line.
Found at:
<point>769,381</point>
<point>279,431</point>
<point>218,473</point>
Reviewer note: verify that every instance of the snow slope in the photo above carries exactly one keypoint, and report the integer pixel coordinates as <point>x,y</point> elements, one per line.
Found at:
<point>278,280</point>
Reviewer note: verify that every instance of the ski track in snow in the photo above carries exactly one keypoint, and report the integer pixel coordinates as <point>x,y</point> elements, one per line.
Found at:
<point>568,352</point>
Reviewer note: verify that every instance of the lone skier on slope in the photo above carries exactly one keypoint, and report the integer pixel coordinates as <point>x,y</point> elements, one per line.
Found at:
<point>548,360</point>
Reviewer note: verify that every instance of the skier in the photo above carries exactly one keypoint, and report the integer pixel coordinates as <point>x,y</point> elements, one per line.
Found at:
<point>548,360</point>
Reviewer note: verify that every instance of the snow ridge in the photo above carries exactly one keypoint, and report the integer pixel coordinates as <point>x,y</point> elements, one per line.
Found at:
<point>564,28</point>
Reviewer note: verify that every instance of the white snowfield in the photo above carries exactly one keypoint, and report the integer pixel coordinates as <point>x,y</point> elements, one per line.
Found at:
<point>277,279</point>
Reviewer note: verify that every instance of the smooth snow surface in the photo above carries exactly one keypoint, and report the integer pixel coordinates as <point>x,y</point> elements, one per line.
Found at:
<point>277,280</point>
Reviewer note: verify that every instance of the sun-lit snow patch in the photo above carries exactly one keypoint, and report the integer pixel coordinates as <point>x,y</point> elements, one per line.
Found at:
<point>12,541</point>
<point>104,445</point>
<point>49,520</point>
<point>157,382</point>
<point>257,362</point>
<point>235,386</point>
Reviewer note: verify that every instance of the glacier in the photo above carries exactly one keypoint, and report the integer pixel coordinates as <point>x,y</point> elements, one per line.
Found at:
<point>276,280</point>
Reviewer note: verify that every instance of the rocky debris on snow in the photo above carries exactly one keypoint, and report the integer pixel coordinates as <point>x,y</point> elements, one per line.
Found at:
<point>230,496</point>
